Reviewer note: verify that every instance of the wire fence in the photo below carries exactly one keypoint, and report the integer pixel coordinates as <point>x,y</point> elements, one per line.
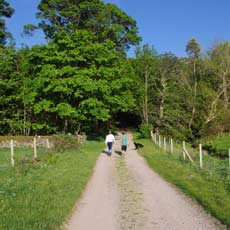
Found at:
<point>16,150</point>
<point>198,158</point>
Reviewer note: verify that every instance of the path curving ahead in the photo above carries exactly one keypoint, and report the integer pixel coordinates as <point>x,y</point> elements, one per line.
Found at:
<point>125,194</point>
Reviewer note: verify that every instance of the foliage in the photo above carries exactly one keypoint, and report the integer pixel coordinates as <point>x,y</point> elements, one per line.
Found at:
<point>218,145</point>
<point>193,48</point>
<point>83,81</point>
<point>5,11</point>
<point>105,21</point>
<point>145,67</point>
<point>145,130</point>
<point>64,143</point>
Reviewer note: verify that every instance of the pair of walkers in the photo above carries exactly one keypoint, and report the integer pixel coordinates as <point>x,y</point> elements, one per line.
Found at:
<point>110,139</point>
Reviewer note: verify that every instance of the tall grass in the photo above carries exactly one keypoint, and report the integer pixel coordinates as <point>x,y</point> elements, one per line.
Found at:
<point>218,145</point>
<point>210,186</point>
<point>40,194</point>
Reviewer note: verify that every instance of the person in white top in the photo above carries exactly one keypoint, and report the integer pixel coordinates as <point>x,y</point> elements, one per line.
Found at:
<point>109,140</point>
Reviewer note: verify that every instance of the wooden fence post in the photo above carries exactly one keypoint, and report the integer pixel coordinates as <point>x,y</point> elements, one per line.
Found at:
<point>171,145</point>
<point>47,143</point>
<point>35,148</point>
<point>183,149</point>
<point>159,140</point>
<point>201,160</point>
<point>12,152</point>
<point>151,135</point>
<point>186,152</point>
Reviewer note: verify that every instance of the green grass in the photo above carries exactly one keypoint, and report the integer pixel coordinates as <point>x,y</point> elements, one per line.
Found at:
<point>222,143</point>
<point>19,154</point>
<point>210,186</point>
<point>218,145</point>
<point>41,194</point>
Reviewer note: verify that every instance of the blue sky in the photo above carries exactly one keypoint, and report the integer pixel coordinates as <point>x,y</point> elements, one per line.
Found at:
<point>165,24</point>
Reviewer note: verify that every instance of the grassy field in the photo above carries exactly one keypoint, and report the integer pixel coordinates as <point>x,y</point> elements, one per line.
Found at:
<point>40,194</point>
<point>209,186</point>
<point>218,145</point>
<point>20,154</point>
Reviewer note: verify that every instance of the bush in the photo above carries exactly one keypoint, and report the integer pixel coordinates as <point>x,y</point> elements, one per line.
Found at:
<point>65,142</point>
<point>145,130</point>
<point>214,151</point>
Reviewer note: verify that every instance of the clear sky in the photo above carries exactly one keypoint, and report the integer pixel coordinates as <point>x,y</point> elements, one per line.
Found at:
<point>166,24</point>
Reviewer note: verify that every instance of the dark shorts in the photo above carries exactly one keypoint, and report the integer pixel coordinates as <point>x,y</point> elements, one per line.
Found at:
<point>110,145</point>
<point>124,147</point>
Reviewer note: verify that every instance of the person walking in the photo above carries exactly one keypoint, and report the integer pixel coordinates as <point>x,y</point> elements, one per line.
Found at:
<point>109,140</point>
<point>123,143</point>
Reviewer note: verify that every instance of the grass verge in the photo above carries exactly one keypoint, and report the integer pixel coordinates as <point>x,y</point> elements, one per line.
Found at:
<point>41,194</point>
<point>212,192</point>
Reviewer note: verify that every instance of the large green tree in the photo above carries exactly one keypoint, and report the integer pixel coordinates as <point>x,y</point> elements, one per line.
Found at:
<point>220,55</point>
<point>106,21</point>
<point>79,80</point>
<point>5,11</point>
<point>11,91</point>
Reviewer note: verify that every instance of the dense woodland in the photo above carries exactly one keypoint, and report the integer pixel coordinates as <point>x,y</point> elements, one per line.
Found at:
<point>82,79</point>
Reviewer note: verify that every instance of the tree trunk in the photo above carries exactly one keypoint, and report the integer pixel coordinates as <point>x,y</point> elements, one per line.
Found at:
<point>162,107</point>
<point>65,126</point>
<point>194,95</point>
<point>225,89</point>
<point>146,97</point>
<point>213,110</point>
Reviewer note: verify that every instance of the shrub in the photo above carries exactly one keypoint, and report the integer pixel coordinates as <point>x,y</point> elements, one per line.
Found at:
<point>64,142</point>
<point>145,130</point>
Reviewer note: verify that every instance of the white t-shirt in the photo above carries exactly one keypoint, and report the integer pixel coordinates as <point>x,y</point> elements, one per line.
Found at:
<point>109,138</point>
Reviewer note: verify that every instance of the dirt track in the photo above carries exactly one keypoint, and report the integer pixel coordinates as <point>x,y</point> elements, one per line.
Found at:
<point>125,194</point>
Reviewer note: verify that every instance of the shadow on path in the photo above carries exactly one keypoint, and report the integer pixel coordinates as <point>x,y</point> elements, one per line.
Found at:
<point>118,152</point>
<point>107,153</point>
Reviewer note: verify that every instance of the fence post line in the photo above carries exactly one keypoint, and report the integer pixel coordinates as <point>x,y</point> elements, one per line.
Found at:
<point>183,149</point>
<point>201,160</point>
<point>171,145</point>
<point>35,148</point>
<point>12,152</point>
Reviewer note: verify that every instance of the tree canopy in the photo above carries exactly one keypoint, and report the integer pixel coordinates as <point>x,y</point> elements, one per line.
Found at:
<point>5,11</point>
<point>105,21</point>
<point>82,79</point>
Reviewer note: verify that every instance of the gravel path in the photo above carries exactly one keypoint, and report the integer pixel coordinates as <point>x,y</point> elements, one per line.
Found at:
<point>125,194</point>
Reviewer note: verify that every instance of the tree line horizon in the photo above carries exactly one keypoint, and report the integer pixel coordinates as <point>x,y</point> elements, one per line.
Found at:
<point>82,79</point>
